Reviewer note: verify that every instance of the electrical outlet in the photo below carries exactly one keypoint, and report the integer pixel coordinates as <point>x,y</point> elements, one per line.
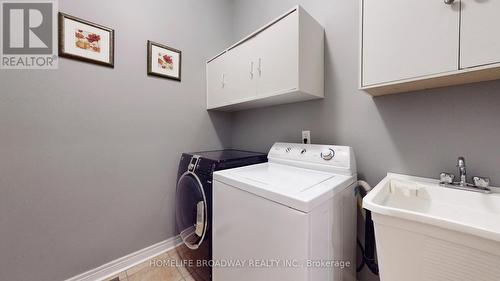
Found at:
<point>306,137</point>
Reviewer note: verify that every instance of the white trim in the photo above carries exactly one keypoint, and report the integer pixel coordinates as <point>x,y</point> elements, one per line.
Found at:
<point>114,267</point>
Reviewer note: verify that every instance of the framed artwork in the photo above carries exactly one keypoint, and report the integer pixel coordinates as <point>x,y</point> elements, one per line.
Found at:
<point>86,41</point>
<point>164,61</point>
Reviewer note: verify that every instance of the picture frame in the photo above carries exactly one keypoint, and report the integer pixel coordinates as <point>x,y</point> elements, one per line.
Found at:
<point>86,41</point>
<point>164,61</point>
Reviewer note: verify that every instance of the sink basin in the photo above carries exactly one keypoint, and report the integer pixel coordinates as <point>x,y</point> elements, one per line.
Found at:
<point>428,232</point>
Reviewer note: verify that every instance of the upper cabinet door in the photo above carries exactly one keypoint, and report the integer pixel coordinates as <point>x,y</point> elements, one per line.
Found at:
<point>480,33</point>
<point>242,76</point>
<point>276,56</point>
<point>217,81</point>
<point>409,39</point>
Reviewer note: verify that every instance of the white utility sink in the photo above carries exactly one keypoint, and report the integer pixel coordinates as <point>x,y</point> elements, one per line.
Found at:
<point>428,232</point>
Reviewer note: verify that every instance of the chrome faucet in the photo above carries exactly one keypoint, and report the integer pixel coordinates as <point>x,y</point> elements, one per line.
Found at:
<point>462,171</point>
<point>480,184</point>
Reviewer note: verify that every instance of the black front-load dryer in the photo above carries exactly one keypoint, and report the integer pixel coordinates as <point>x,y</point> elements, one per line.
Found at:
<point>193,211</point>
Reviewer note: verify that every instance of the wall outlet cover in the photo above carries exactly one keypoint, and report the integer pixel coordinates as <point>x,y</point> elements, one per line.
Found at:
<point>306,137</point>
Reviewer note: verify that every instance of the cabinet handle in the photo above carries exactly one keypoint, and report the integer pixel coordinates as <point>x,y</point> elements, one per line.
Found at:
<point>251,70</point>
<point>259,68</point>
<point>223,80</point>
<point>449,2</point>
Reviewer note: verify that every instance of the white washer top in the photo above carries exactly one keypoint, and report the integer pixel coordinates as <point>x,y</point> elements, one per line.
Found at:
<point>289,181</point>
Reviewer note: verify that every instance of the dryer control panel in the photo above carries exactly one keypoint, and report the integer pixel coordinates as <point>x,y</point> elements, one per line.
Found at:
<point>316,156</point>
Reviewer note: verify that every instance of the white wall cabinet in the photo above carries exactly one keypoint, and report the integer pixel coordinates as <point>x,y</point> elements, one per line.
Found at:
<point>480,37</point>
<point>406,39</point>
<point>216,80</point>
<point>281,62</point>
<point>414,45</point>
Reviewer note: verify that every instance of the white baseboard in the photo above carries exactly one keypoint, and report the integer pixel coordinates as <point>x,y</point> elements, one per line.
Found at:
<point>114,267</point>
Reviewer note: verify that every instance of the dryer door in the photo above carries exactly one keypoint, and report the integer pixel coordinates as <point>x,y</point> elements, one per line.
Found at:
<point>191,210</point>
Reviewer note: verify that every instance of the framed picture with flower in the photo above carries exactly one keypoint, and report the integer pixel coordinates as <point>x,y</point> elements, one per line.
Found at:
<point>86,41</point>
<point>164,61</point>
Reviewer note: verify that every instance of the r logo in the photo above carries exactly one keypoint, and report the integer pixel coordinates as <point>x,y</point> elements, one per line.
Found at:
<point>27,28</point>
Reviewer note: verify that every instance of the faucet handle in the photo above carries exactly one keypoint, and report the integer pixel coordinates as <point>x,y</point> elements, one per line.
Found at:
<point>481,182</point>
<point>446,178</point>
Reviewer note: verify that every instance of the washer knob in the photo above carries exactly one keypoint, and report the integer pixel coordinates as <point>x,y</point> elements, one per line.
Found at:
<point>327,154</point>
<point>288,149</point>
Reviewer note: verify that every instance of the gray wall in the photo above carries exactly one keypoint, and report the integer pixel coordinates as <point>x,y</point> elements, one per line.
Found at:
<point>415,133</point>
<point>89,154</point>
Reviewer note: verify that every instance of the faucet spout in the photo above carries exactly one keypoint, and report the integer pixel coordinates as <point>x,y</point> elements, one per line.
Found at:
<point>480,184</point>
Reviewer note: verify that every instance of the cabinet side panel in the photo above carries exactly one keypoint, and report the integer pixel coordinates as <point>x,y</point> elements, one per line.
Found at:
<point>311,55</point>
<point>207,91</point>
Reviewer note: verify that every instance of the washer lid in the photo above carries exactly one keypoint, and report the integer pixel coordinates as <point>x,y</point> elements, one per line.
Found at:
<point>299,188</point>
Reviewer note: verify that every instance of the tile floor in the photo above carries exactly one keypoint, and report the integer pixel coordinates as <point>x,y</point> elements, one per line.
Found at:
<point>148,272</point>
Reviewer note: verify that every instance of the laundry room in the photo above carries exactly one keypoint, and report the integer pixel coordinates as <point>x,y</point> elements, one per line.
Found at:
<point>249,140</point>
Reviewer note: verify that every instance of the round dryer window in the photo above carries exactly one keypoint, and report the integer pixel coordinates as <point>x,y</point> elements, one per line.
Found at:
<point>191,210</point>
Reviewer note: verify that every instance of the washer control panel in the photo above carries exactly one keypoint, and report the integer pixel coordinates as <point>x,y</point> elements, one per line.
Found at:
<point>315,154</point>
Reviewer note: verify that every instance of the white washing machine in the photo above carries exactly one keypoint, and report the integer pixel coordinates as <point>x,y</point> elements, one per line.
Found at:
<point>293,218</point>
